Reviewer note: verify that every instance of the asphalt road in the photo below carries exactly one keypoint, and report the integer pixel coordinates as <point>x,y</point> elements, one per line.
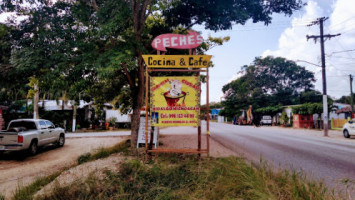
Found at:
<point>330,159</point>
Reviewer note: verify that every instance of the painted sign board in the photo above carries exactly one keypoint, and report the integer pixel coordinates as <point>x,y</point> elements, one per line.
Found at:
<point>177,41</point>
<point>177,61</point>
<point>175,101</point>
<point>141,133</point>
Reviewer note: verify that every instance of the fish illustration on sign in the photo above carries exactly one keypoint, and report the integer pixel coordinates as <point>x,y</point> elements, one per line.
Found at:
<point>177,41</point>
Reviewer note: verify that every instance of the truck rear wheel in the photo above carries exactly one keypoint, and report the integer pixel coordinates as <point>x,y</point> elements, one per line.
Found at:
<point>33,148</point>
<point>61,140</point>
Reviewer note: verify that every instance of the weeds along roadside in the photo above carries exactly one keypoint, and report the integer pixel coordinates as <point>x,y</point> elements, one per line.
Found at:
<point>173,176</point>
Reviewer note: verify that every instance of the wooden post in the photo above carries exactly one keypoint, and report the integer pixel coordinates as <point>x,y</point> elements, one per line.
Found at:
<point>207,111</point>
<point>146,109</point>
<point>193,52</point>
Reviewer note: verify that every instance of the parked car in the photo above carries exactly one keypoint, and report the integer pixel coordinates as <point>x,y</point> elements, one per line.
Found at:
<point>29,134</point>
<point>349,128</point>
<point>266,120</point>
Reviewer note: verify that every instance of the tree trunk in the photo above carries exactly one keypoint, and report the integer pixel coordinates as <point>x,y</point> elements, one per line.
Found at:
<point>135,121</point>
<point>43,103</point>
<point>35,102</point>
<point>140,12</point>
<point>137,105</point>
<point>74,117</point>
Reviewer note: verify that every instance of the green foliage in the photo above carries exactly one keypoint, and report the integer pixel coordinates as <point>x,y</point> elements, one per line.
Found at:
<point>84,158</point>
<point>308,109</point>
<point>284,118</point>
<point>185,177</point>
<point>267,81</point>
<point>5,46</point>
<point>221,14</point>
<point>270,110</point>
<point>345,99</point>
<point>311,96</point>
<point>57,117</point>
<point>113,120</point>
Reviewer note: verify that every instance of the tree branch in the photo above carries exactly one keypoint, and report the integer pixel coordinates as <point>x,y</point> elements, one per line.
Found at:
<point>129,78</point>
<point>94,5</point>
<point>143,15</point>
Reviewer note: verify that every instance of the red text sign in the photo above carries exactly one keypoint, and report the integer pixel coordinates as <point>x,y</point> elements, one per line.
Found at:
<point>177,41</point>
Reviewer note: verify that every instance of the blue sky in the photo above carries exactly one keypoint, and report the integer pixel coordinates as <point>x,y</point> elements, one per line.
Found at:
<point>286,37</point>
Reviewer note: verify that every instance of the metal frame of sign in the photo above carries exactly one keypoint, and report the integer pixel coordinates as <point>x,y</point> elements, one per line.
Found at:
<point>198,150</point>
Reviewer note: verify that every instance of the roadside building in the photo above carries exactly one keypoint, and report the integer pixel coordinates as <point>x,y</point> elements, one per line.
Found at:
<point>215,113</point>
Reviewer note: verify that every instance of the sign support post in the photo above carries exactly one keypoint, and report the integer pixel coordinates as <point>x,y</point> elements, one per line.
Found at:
<point>208,112</point>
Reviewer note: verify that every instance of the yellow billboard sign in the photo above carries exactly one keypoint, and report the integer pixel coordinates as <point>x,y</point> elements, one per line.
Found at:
<point>177,61</point>
<point>175,101</point>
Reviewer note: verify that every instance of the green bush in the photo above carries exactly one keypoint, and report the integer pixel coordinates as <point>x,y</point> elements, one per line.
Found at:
<point>284,118</point>
<point>308,109</point>
<point>84,158</point>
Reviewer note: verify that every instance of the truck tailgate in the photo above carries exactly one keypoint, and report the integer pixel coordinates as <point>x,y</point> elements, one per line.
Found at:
<point>7,138</point>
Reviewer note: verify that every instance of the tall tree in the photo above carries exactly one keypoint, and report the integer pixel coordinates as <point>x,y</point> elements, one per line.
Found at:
<point>267,82</point>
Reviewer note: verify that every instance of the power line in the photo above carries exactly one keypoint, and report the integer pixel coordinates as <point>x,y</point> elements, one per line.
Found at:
<point>341,22</point>
<point>335,52</point>
<point>342,57</point>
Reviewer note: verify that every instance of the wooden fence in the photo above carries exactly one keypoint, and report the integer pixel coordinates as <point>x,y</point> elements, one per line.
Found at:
<point>338,123</point>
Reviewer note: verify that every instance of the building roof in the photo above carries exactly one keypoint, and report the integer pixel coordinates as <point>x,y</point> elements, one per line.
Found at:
<point>344,110</point>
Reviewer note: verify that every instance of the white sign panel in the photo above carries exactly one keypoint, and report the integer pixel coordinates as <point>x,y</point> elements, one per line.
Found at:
<point>141,133</point>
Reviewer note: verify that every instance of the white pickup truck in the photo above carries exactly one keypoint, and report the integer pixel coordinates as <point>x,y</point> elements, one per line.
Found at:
<point>29,134</point>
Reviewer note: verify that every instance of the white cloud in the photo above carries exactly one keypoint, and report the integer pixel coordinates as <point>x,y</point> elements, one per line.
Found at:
<point>293,45</point>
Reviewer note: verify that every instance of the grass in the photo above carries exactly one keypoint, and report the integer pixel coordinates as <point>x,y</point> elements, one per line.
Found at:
<point>123,147</point>
<point>2,197</point>
<point>186,177</point>
<point>26,193</point>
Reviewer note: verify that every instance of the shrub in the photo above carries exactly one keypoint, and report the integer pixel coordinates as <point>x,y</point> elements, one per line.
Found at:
<point>84,158</point>
<point>284,118</point>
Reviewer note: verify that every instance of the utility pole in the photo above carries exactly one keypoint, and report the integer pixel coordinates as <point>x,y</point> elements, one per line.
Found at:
<point>319,22</point>
<point>351,95</point>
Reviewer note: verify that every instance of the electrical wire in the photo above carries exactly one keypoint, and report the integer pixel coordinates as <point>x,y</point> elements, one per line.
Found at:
<point>332,26</point>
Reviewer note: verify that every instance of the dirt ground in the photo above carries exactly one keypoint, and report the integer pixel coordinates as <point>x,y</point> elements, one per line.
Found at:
<point>16,170</point>
<point>190,142</point>
<point>186,138</point>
